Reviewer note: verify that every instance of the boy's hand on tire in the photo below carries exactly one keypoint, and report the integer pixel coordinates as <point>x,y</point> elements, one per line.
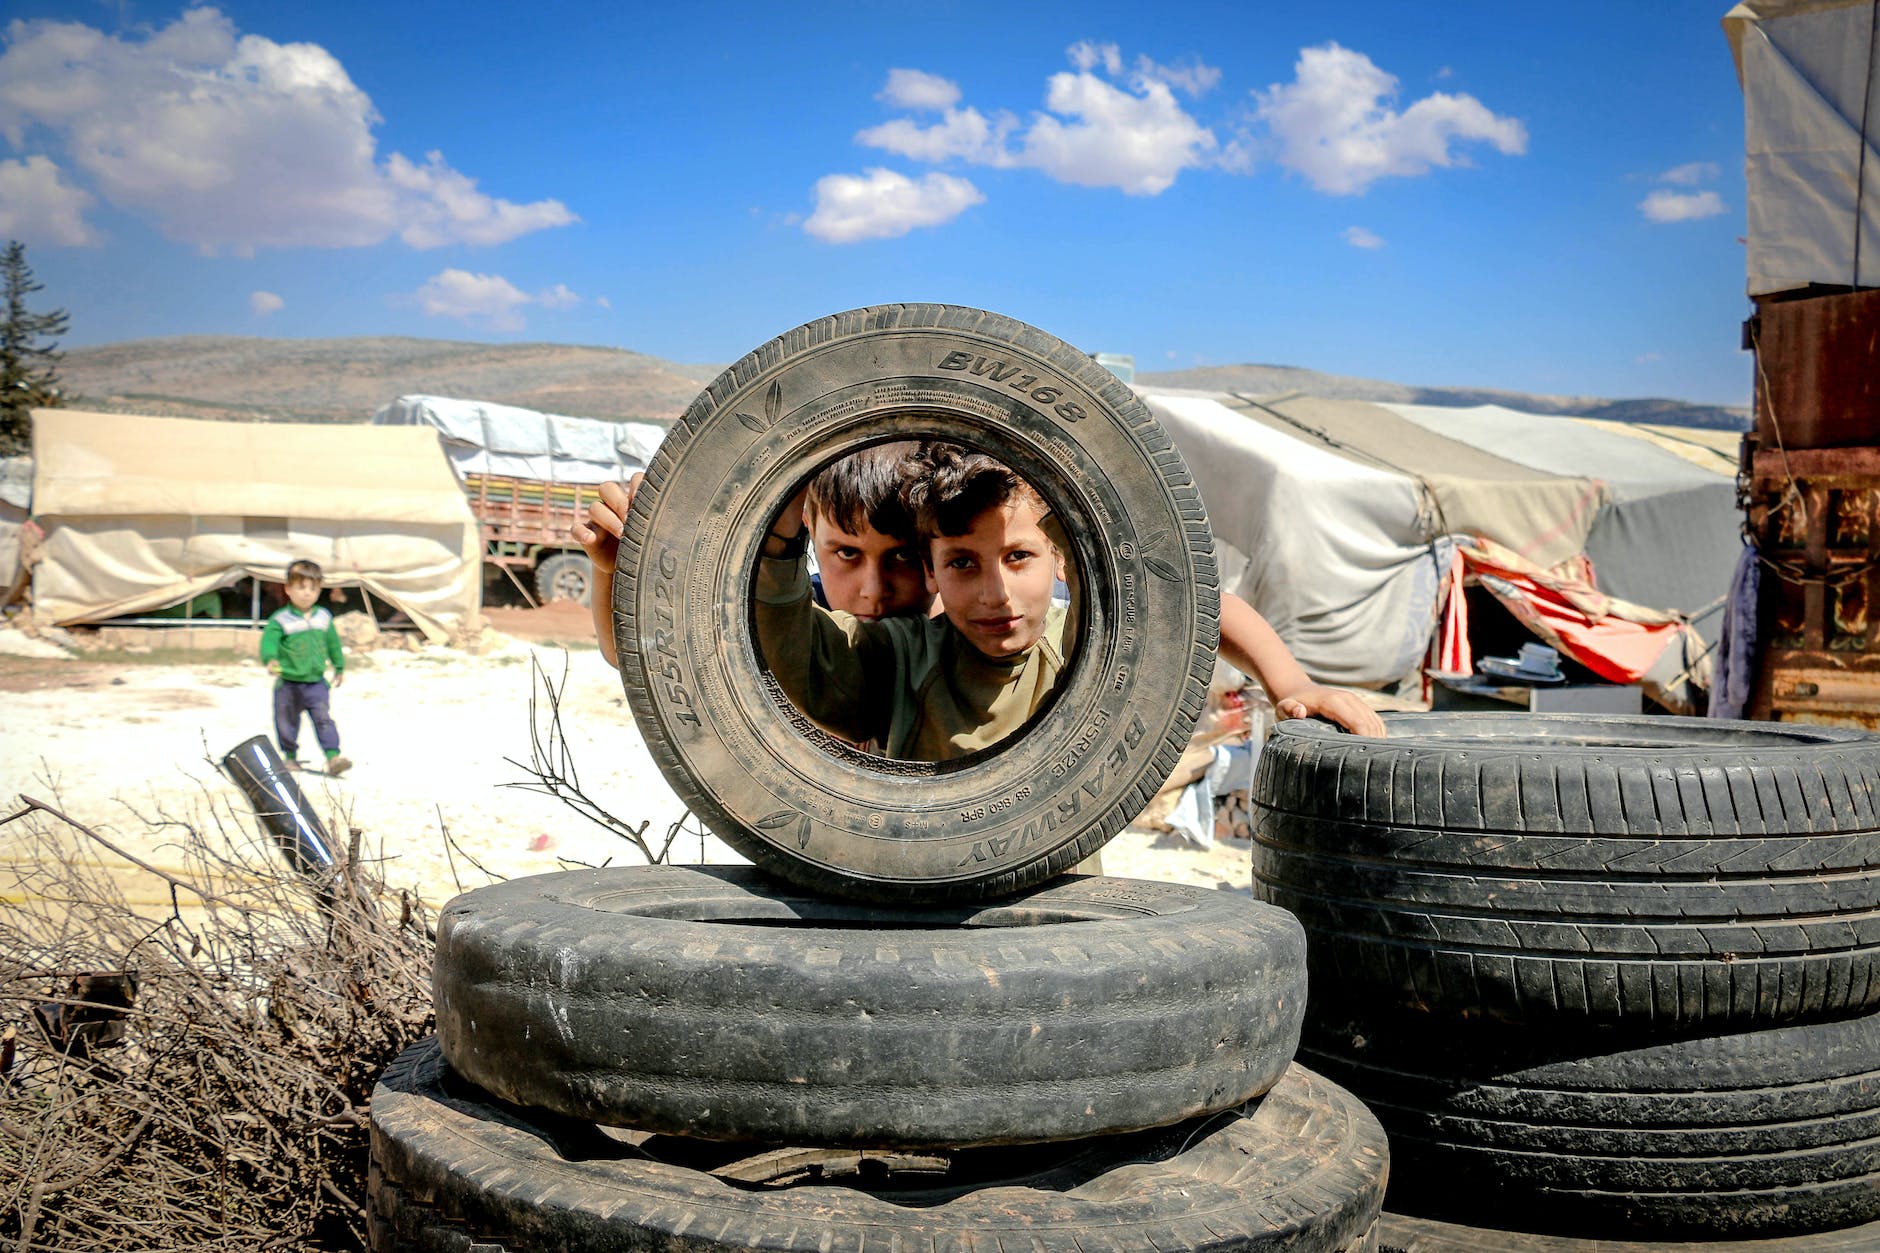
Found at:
<point>599,536</point>
<point>1334,705</point>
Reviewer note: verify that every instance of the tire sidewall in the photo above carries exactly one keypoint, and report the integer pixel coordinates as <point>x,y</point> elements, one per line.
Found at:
<point>758,772</point>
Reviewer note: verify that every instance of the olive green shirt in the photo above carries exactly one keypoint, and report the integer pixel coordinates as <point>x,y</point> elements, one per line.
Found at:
<point>912,685</point>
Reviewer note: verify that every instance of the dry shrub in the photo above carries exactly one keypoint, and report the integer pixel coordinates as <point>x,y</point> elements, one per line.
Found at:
<point>231,1115</point>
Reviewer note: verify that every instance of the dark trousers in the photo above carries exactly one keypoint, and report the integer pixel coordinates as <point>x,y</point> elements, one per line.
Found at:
<point>293,699</point>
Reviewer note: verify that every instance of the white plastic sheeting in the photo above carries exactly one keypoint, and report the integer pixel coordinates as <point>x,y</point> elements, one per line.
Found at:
<point>482,438</point>
<point>1807,68</point>
<point>16,496</point>
<point>1334,518</point>
<point>1332,553</point>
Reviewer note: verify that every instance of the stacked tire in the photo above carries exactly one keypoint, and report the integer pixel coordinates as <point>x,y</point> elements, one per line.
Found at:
<point>1599,976</point>
<point>676,1058</point>
<point>897,1031</point>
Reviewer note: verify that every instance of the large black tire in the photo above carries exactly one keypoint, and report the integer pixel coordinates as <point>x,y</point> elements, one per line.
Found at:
<point>1755,1134</point>
<point>795,800</point>
<point>565,576</point>
<point>1302,1170</point>
<point>723,1004</point>
<point>1569,868</point>
<point>1401,1233</point>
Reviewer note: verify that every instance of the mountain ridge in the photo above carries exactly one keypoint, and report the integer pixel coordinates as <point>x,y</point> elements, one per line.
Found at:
<point>346,379</point>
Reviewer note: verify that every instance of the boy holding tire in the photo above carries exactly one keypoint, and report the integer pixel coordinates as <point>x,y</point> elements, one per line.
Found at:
<point>933,689</point>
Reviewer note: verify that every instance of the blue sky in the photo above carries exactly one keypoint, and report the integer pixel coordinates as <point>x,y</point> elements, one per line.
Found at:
<point>1534,197</point>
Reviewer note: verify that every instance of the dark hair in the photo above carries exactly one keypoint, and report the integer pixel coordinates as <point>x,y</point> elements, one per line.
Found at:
<point>948,485</point>
<point>305,570</point>
<point>865,489</point>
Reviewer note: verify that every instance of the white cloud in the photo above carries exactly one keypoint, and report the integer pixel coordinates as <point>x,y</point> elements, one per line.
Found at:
<point>882,204</point>
<point>1647,358</point>
<point>603,302</point>
<point>1336,123</point>
<point>917,89</point>
<point>234,142</point>
<point>1691,173</point>
<point>1093,134</point>
<point>1193,79</point>
<point>487,299</point>
<point>1358,237</point>
<point>1087,56</point>
<point>262,303</point>
<point>963,134</point>
<point>441,206</point>
<point>1681,206</point>
<point>37,205</point>
<point>1112,123</point>
<point>1137,140</point>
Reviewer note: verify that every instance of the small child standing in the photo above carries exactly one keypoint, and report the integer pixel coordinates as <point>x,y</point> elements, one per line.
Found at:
<point>296,646</point>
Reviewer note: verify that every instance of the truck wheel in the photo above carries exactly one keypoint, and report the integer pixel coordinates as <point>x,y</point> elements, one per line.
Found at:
<point>792,798</point>
<point>565,576</point>
<point>721,1003</point>
<point>1302,1168</point>
<point>1565,868</point>
<point>1749,1134</point>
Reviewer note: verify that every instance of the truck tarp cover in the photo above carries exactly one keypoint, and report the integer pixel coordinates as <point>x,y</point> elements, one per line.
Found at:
<point>141,513</point>
<point>483,438</point>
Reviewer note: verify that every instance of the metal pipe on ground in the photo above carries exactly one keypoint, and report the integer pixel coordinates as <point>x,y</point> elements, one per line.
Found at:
<point>255,768</point>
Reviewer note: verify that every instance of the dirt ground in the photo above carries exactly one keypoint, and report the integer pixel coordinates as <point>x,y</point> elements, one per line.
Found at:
<point>126,741</point>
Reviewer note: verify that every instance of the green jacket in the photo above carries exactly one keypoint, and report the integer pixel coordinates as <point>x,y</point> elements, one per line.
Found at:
<point>303,643</point>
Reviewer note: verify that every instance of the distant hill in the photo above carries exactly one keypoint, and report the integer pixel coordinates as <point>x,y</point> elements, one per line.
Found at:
<point>1267,380</point>
<point>345,380</point>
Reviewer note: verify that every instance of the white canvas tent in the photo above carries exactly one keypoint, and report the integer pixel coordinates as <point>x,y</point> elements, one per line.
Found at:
<point>143,512</point>
<point>484,438</point>
<point>1811,113</point>
<point>16,493</point>
<point>1338,520</point>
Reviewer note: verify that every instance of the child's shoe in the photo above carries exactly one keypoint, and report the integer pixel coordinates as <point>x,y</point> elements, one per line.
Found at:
<point>336,764</point>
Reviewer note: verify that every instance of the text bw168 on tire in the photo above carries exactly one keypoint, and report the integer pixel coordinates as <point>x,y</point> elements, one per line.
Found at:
<point>724,1004</point>
<point>1574,869</point>
<point>792,798</point>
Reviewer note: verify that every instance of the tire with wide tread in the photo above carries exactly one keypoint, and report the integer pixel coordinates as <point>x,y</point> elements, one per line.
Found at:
<point>1402,1233</point>
<point>802,804</point>
<point>1752,1134</point>
<point>722,1003</point>
<point>1550,868</point>
<point>1300,1170</point>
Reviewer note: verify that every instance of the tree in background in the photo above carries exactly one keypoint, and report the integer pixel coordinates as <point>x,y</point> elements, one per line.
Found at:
<point>29,374</point>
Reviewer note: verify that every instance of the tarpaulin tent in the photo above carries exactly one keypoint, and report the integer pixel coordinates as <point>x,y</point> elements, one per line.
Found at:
<point>1339,520</point>
<point>483,438</point>
<point>1811,139</point>
<point>16,493</point>
<point>143,512</point>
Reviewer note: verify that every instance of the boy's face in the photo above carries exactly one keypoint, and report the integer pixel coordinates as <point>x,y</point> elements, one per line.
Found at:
<point>301,593</point>
<point>996,579</point>
<point>870,575</point>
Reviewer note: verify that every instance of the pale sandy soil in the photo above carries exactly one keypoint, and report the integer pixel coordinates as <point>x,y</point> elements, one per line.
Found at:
<point>114,743</point>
